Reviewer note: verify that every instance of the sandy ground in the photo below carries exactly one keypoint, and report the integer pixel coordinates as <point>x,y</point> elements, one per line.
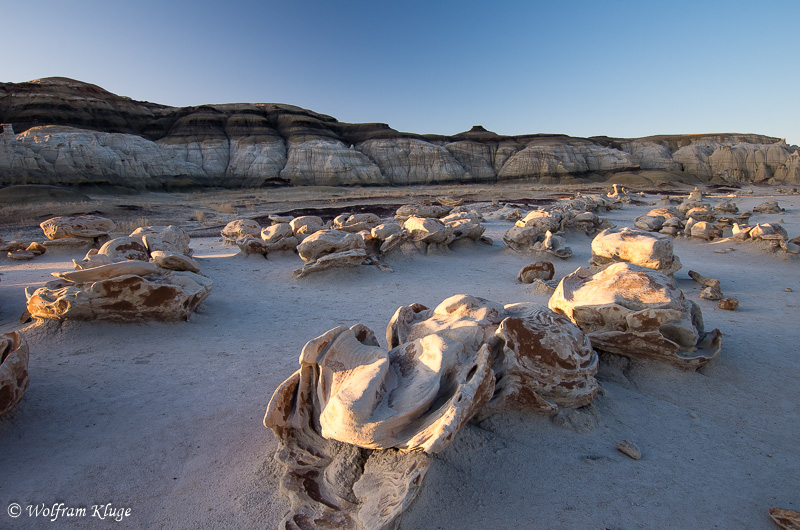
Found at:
<point>165,419</point>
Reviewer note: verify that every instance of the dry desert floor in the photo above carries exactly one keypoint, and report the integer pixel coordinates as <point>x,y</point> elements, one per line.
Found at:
<point>166,419</point>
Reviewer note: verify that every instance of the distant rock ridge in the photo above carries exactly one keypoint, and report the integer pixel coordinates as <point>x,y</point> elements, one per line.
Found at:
<point>65,132</point>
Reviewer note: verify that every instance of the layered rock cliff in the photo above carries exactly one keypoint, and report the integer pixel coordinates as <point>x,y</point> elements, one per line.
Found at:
<point>62,131</point>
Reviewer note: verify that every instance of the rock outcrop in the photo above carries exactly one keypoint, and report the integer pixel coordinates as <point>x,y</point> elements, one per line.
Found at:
<point>66,132</point>
<point>14,378</point>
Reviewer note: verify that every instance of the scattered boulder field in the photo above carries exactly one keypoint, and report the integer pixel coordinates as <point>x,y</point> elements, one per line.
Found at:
<point>359,422</point>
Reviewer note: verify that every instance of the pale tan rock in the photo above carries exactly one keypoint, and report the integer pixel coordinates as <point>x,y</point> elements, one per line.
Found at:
<point>168,296</point>
<point>87,226</point>
<point>422,210</point>
<point>786,519</point>
<point>695,195</point>
<point>542,270</point>
<point>701,214</point>
<point>14,377</point>
<point>636,312</point>
<point>711,293</point>
<point>240,228</point>
<point>726,206</point>
<point>466,228</point>
<point>740,232</point>
<point>251,245</point>
<point>650,223</point>
<point>67,245</point>
<point>553,244</point>
<point>356,222</point>
<point>769,231</point>
<point>687,205</point>
<point>634,246</point>
<point>343,259</point>
<point>13,246</point>
<point>728,304</point>
<point>174,261</point>
<point>543,220</point>
<point>428,230</point>
<point>306,225</point>
<point>112,270</point>
<point>21,255</point>
<point>92,260</point>
<point>37,248</point>
<point>702,280</point>
<point>167,238</point>
<point>768,207</point>
<point>630,449</point>
<point>546,362</point>
<point>704,230</point>
<point>384,230</point>
<point>125,248</point>
<point>279,237</point>
<point>328,241</point>
<point>280,219</point>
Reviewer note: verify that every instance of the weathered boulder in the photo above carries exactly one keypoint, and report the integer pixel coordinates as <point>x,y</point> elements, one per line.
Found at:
<point>251,245</point>
<point>240,228</point>
<point>704,230</point>
<point>279,237</point>
<point>21,255</point>
<point>634,246</point>
<point>428,230</point>
<point>769,231</point>
<point>67,245</point>
<point>650,223</point>
<point>726,206</point>
<point>174,261</point>
<point>701,214</point>
<point>552,244</point>
<point>542,270</point>
<point>328,241</point>
<point>422,210</point>
<point>125,248</point>
<point>356,222</point>
<point>110,270</point>
<point>163,296</point>
<point>306,225</point>
<point>14,377</point>
<point>542,220</point>
<point>768,207</point>
<point>167,238</point>
<point>636,312</point>
<point>86,226</point>
<point>541,361</point>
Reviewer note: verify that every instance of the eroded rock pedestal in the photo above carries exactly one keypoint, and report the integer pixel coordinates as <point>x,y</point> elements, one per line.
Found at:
<point>358,421</point>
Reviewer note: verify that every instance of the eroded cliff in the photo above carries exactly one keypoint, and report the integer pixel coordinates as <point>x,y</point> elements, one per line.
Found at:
<point>62,131</point>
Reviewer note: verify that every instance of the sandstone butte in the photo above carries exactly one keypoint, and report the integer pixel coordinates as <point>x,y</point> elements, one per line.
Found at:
<point>60,131</point>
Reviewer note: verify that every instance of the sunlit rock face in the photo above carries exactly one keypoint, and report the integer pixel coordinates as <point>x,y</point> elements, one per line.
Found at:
<point>66,132</point>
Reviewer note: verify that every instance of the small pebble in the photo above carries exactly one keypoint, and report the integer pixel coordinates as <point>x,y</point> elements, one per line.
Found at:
<point>728,304</point>
<point>788,289</point>
<point>630,449</point>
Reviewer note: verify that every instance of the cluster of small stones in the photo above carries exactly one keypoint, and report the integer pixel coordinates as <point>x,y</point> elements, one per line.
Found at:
<point>696,218</point>
<point>541,231</point>
<point>350,240</point>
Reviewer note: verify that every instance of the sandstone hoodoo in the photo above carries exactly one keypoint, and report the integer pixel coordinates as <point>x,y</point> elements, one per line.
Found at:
<point>66,132</point>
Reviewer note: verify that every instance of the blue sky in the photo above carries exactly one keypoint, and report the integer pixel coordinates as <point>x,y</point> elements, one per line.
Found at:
<point>584,68</point>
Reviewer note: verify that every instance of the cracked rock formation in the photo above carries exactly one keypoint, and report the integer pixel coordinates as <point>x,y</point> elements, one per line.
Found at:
<point>636,312</point>
<point>66,132</point>
<point>357,422</point>
<point>14,377</point>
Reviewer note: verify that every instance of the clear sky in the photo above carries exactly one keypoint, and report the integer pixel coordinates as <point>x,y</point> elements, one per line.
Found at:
<point>601,67</point>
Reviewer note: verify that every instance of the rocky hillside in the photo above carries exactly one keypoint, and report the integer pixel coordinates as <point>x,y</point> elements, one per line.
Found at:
<point>62,131</point>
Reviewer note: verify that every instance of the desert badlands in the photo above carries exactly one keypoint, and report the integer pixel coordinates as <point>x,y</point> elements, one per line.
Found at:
<point>255,316</point>
<point>164,419</point>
